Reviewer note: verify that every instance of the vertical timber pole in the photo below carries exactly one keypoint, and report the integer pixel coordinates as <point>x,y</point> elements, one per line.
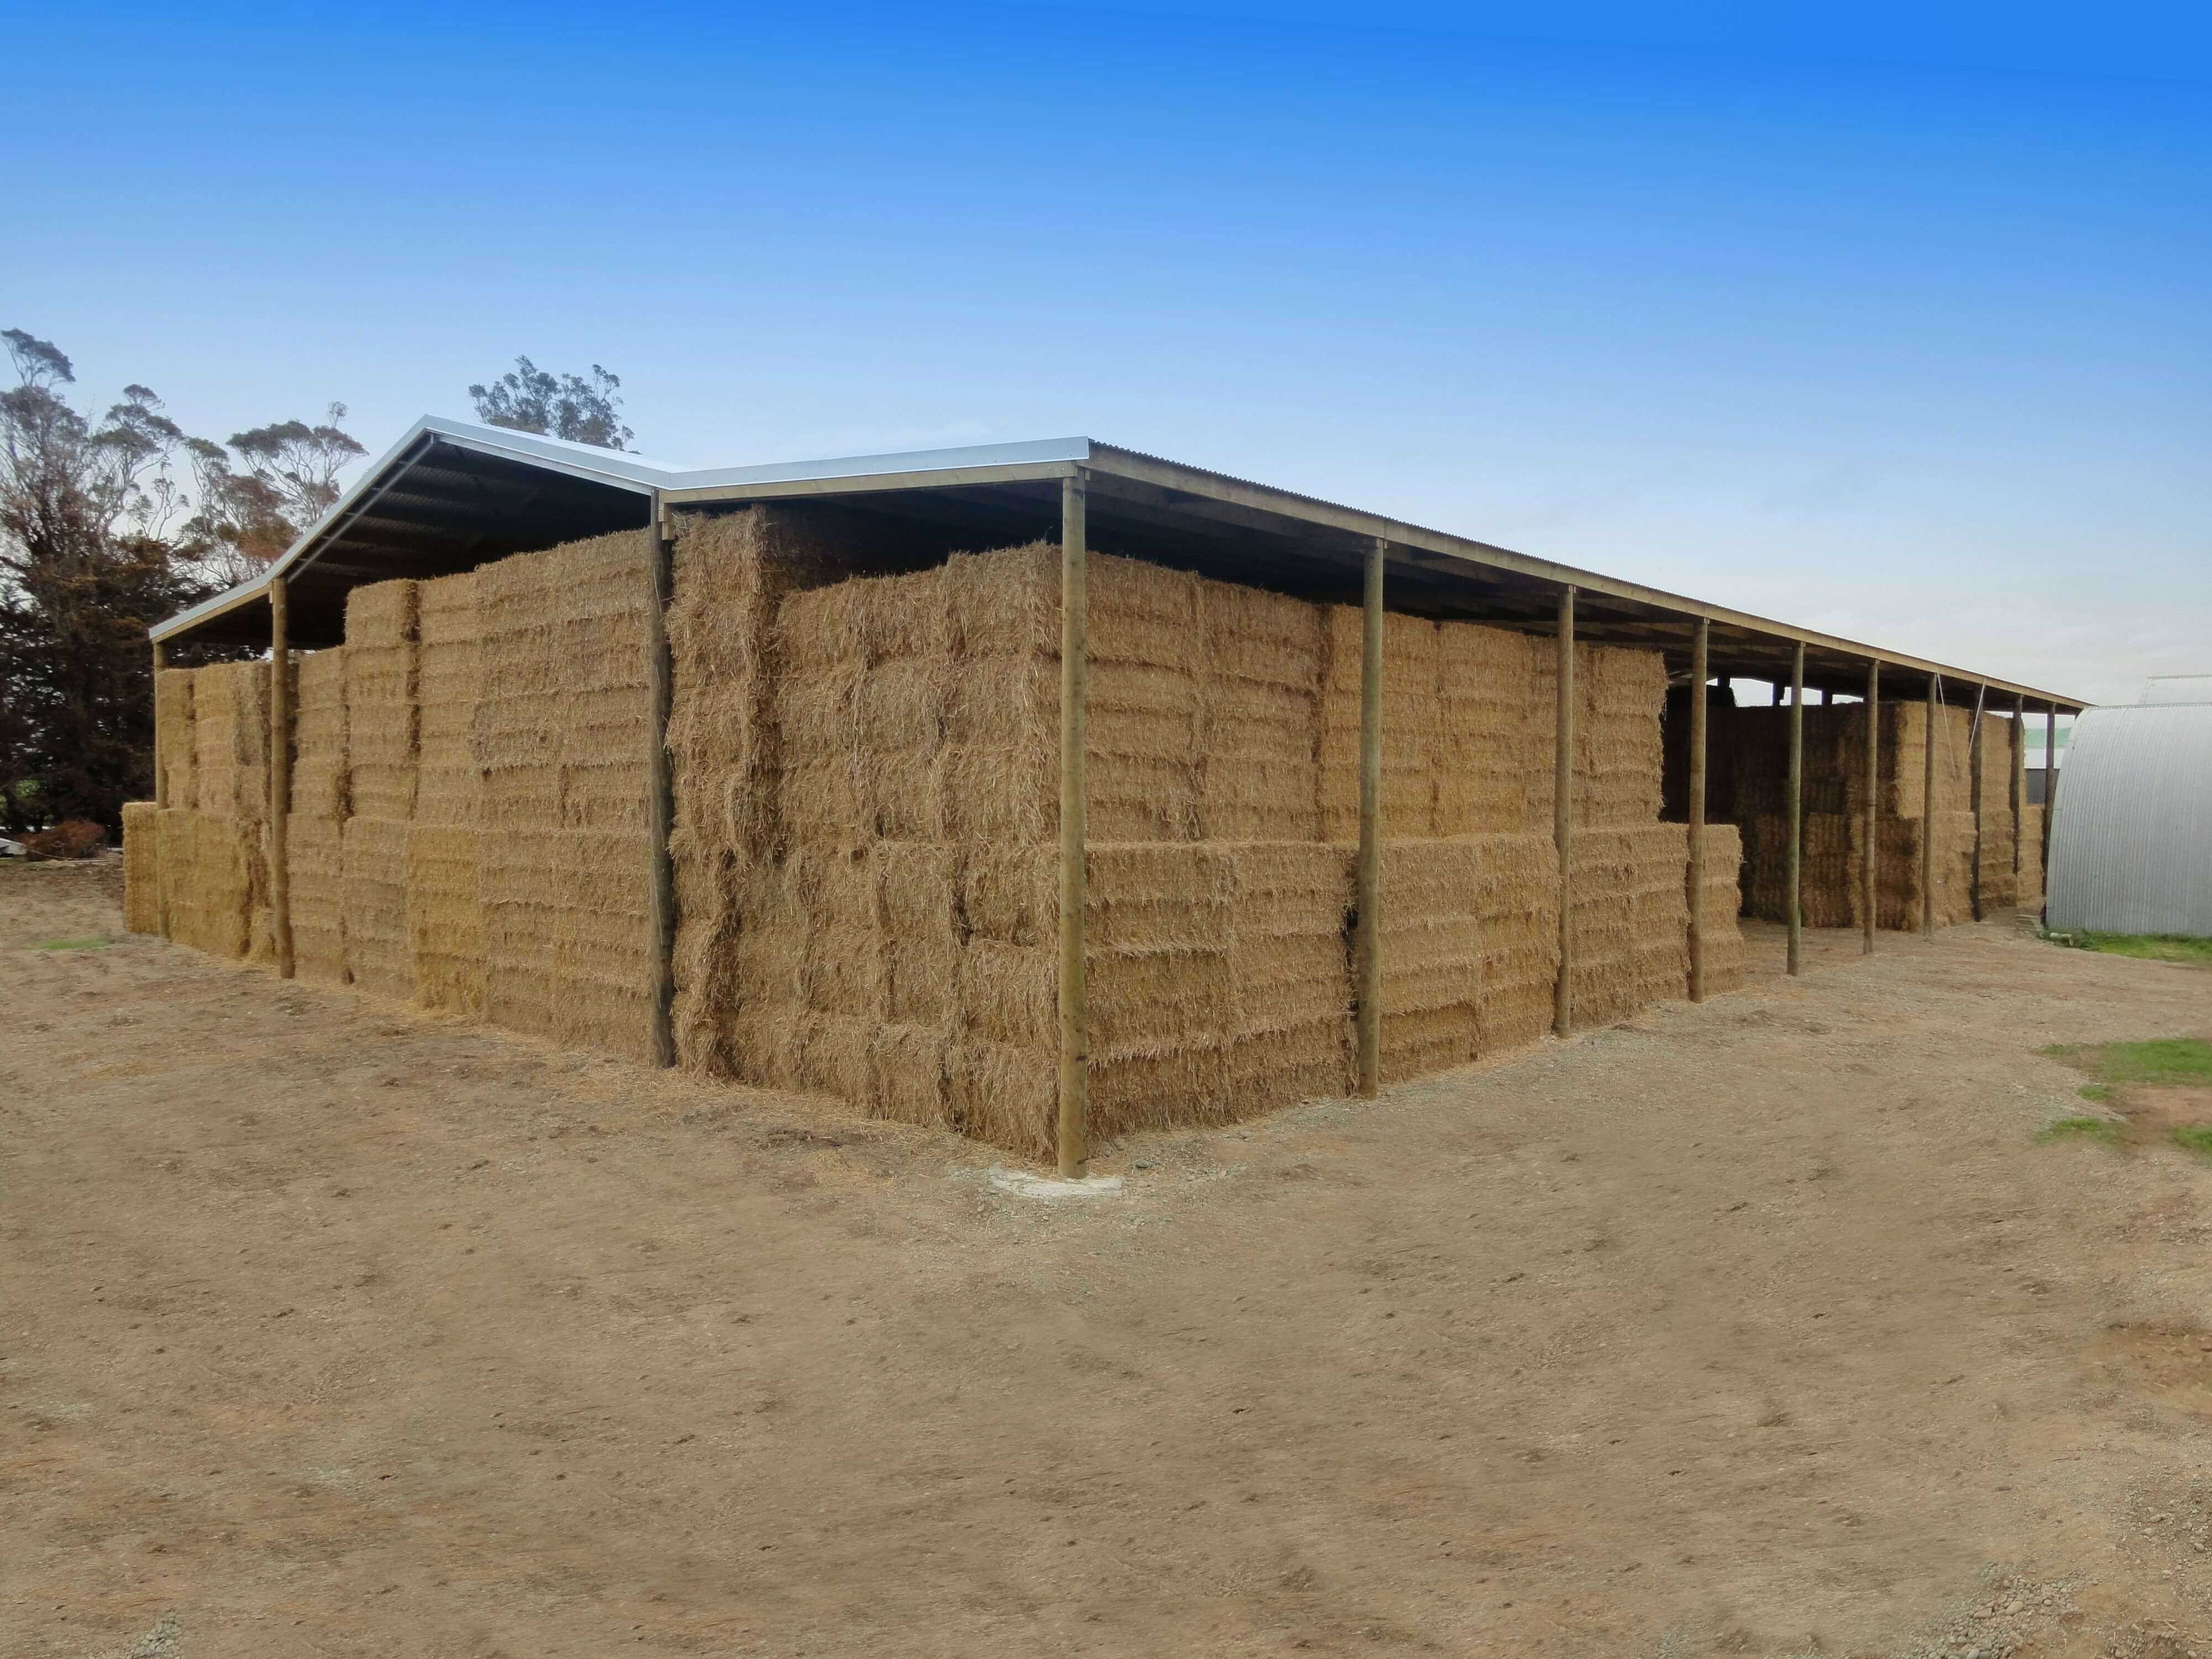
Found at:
<point>1976,739</point>
<point>1563,818</point>
<point>280,770</point>
<point>1796,866</point>
<point>1927,811</point>
<point>1074,829</point>
<point>1367,942</point>
<point>660,806</point>
<point>2018,787</point>
<point>1699,667</point>
<point>161,772</point>
<point>1870,812</point>
<point>2049,784</point>
<point>161,786</point>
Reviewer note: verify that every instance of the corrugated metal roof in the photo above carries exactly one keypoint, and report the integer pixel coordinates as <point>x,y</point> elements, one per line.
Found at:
<point>2131,838</point>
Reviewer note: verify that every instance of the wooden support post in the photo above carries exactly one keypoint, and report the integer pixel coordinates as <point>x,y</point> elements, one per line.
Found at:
<point>2018,787</point>
<point>1700,641</point>
<point>1927,811</point>
<point>161,772</point>
<point>1074,807</point>
<point>1563,816</point>
<point>1796,798</point>
<point>160,785</point>
<point>280,770</point>
<point>2049,788</point>
<point>660,804</point>
<point>1975,739</point>
<point>1367,941</point>
<point>1870,812</point>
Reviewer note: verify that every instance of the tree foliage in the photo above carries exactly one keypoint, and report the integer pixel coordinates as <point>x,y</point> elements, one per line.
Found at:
<point>90,559</point>
<point>527,398</point>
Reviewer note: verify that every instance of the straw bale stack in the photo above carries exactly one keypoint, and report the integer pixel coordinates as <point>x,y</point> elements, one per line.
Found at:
<point>318,736</point>
<point>1431,944</point>
<point>1257,774</point>
<point>230,739</point>
<point>1720,903</point>
<point>172,715</point>
<point>142,867</point>
<point>1995,886</point>
<point>314,832</point>
<point>1631,919</point>
<point>2031,856</point>
<point>1293,1039</point>
<point>1494,737</point>
<point>1620,696</point>
<point>374,862</point>
<point>380,668</point>
<point>1410,722</point>
<point>206,886</point>
<point>1517,908</point>
<point>445,911</point>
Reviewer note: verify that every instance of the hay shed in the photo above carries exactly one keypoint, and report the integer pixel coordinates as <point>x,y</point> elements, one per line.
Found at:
<point>1042,792</point>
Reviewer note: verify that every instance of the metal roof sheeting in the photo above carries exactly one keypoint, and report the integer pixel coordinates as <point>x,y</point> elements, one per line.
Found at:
<point>2131,839</point>
<point>2167,688</point>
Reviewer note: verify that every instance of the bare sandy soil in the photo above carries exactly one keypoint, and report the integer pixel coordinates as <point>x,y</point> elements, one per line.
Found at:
<point>1761,1327</point>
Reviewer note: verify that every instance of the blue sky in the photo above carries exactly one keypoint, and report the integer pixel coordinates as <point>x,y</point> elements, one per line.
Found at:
<point>1889,320</point>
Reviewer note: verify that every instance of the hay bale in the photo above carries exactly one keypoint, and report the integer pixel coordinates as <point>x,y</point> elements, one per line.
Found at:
<point>230,739</point>
<point>207,896</point>
<point>1410,726</point>
<point>320,780</point>
<point>2031,856</point>
<point>1431,940</point>
<point>1517,905</point>
<point>381,666</point>
<point>378,957</point>
<point>1005,1094</point>
<point>446,917</point>
<point>605,973</point>
<point>1631,920</point>
<point>142,867</point>
<point>172,719</point>
<point>449,682</point>
<point>314,848</point>
<point>1493,737</point>
<point>1718,907</point>
<point>1293,1039</point>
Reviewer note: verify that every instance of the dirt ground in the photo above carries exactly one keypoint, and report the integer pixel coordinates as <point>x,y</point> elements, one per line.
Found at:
<point>1761,1327</point>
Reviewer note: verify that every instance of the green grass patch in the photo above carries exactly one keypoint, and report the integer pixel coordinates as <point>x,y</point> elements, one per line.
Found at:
<point>2151,947</point>
<point>2095,1093</point>
<point>2103,1130</point>
<point>2161,1060</point>
<point>2194,1137</point>
<point>72,944</point>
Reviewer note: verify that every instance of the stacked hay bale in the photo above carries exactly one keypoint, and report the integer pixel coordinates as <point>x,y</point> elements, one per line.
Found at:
<point>1494,740</point>
<point>1517,903</point>
<point>1631,919</point>
<point>1832,882</point>
<point>445,915</point>
<point>1719,905</point>
<point>173,718</point>
<point>1995,886</point>
<point>142,867</point>
<point>1410,719</point>
<point>230,761</point>
<point>206,881</point>
<point>2031,856</point>
<point>560,741</point>
<point>730,575</point>
<point>314,833</point>
<point>1290,949</point>
<point>1257,772</point>
<point>379,670</point>
<point>1620,699</point>
<point>1431,942</point>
